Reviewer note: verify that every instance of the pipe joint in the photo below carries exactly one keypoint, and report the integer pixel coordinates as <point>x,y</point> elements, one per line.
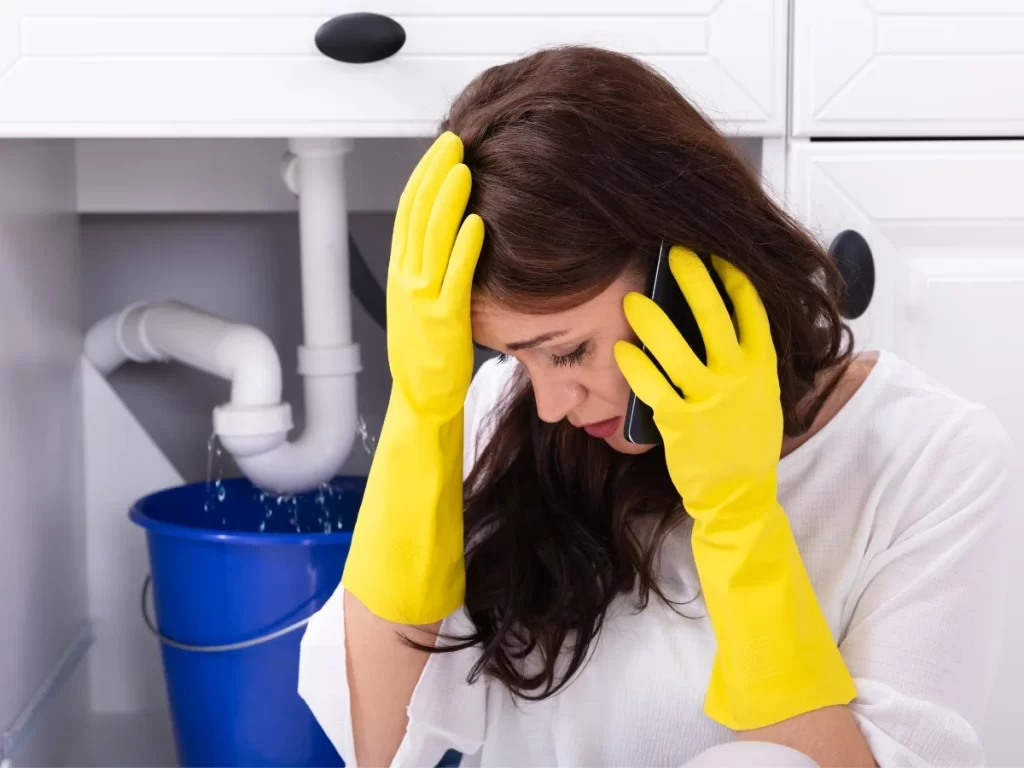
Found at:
<point>330,361</point>
<point>251,430</point>
<point>131,335</point>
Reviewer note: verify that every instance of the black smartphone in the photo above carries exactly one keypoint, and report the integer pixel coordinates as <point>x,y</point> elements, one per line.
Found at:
<point>664,291</point>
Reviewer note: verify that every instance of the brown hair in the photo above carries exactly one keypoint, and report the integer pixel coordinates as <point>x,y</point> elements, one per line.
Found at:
<point>583,161</point>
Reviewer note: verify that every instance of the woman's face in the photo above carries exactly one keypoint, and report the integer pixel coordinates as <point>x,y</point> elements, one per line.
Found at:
<point>568,357</point>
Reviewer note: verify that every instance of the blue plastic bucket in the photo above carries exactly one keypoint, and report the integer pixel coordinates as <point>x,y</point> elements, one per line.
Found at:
<point>229,568</point>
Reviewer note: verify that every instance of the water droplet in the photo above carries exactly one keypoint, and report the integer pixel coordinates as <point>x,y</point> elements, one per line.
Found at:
<point>339,525</point>
<point>263,526</point>
<point>211,445</point>
<point>221,492</point>
<point>369,441</point>
<point>327,527</point>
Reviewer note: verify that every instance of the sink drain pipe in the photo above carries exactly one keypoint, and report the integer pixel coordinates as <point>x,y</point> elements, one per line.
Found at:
<point>253,425</point>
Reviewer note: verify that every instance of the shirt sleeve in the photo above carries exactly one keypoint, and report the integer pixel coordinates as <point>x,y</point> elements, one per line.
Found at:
<point>446,711</point>
<point>924,638</point>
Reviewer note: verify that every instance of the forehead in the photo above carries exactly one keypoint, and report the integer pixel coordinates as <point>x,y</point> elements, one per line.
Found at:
<point>494,324</point>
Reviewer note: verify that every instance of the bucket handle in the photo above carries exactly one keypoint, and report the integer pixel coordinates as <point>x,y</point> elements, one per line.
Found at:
<point>146,585</point>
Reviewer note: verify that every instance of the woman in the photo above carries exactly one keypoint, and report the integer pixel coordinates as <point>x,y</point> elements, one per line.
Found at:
<point>811,561</point>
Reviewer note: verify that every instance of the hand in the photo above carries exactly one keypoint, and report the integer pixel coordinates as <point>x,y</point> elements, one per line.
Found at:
<point>724,435</point>
<point>776,657</point>
<point>406,560</point>
<point>430,276</point>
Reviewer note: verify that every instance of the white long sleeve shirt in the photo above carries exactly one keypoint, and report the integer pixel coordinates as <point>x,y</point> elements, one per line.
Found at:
<point>899,508</point>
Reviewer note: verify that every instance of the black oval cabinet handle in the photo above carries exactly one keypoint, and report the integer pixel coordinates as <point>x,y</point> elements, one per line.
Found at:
<point>853,256</point>
<point>360,38</point>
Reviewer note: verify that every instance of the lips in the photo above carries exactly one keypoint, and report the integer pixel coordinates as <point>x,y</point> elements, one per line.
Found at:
<point>602,429</point>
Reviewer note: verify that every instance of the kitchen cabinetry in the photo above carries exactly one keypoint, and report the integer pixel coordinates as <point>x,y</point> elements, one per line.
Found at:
<point>908,68</point>
<point>855,105</point>
<point>230,68</point>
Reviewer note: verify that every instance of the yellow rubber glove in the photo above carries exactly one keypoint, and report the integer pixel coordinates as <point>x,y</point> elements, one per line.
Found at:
<point>776,656</point>
<point>406,562</point>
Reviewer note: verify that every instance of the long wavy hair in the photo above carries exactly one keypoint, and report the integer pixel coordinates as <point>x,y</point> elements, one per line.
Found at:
<point>583,161</point>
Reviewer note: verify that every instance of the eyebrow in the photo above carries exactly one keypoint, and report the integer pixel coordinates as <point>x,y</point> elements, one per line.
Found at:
<point>515,346</point>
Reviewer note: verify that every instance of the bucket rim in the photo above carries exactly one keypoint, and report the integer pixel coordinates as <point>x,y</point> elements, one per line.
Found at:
<point>137,515</point>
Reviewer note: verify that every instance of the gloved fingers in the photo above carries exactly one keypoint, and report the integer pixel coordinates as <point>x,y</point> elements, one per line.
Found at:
<point>708,309</point>
<point>458,280</point>
<point>643,376</point>
<point>448,154</point>
<point>401,228</point>
<point>751,318</point>
<point>443,226</point>
<point>668,346</point>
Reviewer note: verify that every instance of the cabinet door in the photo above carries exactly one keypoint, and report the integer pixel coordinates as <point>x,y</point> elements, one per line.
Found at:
<point>945,222</point>
<point>908,68</point>
<point>88,68</point>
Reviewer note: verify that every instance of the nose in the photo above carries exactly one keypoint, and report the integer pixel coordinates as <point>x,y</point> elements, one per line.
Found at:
<point>556,398</point>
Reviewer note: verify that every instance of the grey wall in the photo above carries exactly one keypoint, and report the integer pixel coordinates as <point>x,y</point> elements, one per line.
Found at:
<point>42,521</point>
<point>244,267</point>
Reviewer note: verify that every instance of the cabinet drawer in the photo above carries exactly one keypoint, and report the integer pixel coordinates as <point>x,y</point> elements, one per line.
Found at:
<point>908,68</point>
<point>224,67</point>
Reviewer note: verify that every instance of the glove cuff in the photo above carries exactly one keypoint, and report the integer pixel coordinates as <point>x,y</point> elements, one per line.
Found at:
<point>776,655</point>
<point>406,560</point>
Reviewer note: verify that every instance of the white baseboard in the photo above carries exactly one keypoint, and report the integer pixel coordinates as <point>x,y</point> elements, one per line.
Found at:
<point>17,735</point>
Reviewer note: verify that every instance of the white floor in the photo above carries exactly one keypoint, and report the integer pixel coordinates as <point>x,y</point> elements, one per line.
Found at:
<point>139,739</point>
<point>67,734</point>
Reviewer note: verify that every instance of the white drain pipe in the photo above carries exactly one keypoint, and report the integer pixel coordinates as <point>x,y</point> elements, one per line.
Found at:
<point>328,360</point>
<point>253,425</point>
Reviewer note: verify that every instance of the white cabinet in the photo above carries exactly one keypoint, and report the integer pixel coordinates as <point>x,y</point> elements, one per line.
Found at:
<point>231,68</point>
<point>908,68</point>
<point>945,222</point>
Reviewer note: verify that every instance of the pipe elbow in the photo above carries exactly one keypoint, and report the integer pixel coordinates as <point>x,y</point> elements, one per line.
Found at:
<point>320,452</point>
<point>254,367</point>
<point>101,346</point>
<point>294,468</point>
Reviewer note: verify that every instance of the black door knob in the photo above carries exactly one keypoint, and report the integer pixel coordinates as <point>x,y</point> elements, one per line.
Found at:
<point>857,266</point>
<point>360,38</point>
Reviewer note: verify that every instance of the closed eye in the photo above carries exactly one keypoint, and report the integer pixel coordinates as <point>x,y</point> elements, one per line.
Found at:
<point>572,358</point>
